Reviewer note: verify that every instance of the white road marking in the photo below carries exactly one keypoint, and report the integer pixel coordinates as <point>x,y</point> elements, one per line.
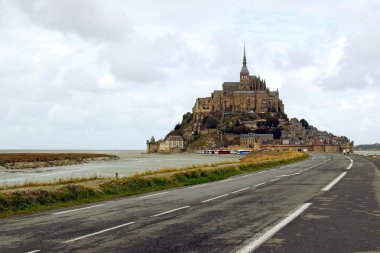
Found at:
<point>246,188</point>
<point>258,240</point>
<point>261,172</point>
<point>351,163</point>
<point>207,200</point>
<point>246,175</point>
<point>229,179</point>
<point>34,251</point>
<point>336,180</point>
<point>99,232</point>
<point>78,209</point>
<point>275,179</point>
<point>151,195</point>
<point>196,186</point>
<point>170,211</point>
<point>288,175</point>
<point>259,184</point>
<point>285,175</point>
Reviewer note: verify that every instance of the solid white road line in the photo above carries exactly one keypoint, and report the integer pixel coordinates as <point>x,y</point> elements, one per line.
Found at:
<point>246,175</point>
<point>349,166</point>
<point>99,232</point>
<point>151,195</point>
<point>336,180</point>
<point>275,179</point>
<point>246,188</point>
<point>34,251</point>
<point>78,209</point>
<point>269,232</point>
<point>207,200</point>
<point>262,172</point>
<point>170,211</point>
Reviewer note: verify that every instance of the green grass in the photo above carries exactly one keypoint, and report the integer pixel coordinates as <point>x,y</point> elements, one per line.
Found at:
<point>23,202</point>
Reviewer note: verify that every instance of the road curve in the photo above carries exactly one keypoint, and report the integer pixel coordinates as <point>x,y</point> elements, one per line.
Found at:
<point>278,210</point>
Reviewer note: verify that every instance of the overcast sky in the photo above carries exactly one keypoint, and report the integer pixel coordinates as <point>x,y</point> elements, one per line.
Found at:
<point>89,74</point>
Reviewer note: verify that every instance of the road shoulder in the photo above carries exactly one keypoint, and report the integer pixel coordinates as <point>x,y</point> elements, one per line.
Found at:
<point>344,219</point>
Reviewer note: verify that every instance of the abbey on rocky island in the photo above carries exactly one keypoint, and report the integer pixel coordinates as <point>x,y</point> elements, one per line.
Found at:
<point>249,95</point>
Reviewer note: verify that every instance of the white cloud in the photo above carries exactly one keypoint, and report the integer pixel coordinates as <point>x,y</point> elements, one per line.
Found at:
<point>96,74</point>
<point>107,81</point>
<point>87,18</point>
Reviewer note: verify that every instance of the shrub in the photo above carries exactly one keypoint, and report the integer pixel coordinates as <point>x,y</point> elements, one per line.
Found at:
<point>210,122</point>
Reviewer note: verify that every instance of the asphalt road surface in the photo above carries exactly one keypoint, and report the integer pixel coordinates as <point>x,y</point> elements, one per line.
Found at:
<point>328,203</point>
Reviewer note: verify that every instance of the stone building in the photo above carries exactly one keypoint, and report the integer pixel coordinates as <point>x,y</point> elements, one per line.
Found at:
<point>152,145</point>
<point>252,140</point>
<point>172,144</point>
<point>249,95</point>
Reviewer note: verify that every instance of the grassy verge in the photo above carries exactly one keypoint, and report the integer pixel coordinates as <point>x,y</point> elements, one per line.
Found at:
<point>28,201</point>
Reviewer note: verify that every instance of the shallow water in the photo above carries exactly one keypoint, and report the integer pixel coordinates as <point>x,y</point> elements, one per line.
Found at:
<point>366,152</point>
<point>130,162</point>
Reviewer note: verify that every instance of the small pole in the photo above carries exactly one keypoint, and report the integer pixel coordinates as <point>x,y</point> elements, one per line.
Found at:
<point>117,175</point>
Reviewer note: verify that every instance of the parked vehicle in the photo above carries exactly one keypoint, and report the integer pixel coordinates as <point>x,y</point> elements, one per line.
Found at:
<point>224,152</point>
<point>244,152</point>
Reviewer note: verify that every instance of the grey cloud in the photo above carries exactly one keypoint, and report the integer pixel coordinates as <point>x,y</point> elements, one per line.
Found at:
<point>145,60</point>
<point>85,18</point>
<point>359,66</point>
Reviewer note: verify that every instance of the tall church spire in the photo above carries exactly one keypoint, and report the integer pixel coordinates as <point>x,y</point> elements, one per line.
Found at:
<point>244,69</point>
<point>244,58</point>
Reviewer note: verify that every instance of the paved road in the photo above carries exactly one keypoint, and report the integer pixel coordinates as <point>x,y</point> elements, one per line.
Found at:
<point>296,208</point>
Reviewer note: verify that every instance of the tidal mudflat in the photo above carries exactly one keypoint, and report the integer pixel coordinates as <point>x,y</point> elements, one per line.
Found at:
<point>129,163</point>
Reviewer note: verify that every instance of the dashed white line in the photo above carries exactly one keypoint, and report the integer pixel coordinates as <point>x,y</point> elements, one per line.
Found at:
<point>196,186</point>
<point>256,241</point>
<point>225,180</point>
<point>207,200</point>
<point>34,251</point>
<point>246,175</point>
<point>152,195</point>
<point>261,172</point>
<point>99,232</point>
<point>275,179</point>
<point>285,175</point>
<point>246,188</point>
<point>170,211</point>
<point>336,180</point>
<point>259,184</point>
<point>78,209</point>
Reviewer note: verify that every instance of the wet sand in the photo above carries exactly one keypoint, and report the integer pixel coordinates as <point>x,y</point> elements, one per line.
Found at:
<point>130,162</point>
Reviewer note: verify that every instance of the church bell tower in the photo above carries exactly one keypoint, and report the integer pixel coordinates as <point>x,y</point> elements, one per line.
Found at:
<point>244,74</point>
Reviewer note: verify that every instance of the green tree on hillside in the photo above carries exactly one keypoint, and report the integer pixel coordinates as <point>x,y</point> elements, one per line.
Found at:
<point>272,121</point>
<point>304,123</point>
<point>277,132</point>
<point>209,122</point>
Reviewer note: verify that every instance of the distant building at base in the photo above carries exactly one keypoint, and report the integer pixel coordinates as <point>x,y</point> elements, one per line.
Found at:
<point>254,141</point>
<point>172,144</point>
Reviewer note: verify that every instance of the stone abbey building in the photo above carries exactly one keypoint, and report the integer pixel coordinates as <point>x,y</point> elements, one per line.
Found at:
<point>249,95</point>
